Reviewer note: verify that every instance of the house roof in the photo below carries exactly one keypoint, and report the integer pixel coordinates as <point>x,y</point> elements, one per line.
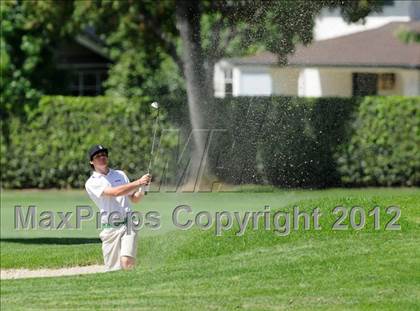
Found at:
<point>90,40</point>
<point>92,45</point>
<point>378,47</point>
<point>86,50</point>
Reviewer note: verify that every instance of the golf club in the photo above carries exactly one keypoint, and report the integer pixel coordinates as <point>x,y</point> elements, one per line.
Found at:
<point>154,105</point>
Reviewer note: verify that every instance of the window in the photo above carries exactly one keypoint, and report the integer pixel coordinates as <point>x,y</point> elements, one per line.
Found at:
<point>370,83</point>
<point>365,84</point>
<point>87,82</point>
<point>386,81</point>
<point>228,82</point>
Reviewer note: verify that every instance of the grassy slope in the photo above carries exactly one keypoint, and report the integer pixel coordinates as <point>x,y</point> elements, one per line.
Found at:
<point>364,269</point>
<point>82,247</point>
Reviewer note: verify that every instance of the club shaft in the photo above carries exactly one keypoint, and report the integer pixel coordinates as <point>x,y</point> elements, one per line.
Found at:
<point>153,143</point>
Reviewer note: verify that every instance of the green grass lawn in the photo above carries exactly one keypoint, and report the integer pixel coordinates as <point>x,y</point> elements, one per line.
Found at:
<point>317,269</point>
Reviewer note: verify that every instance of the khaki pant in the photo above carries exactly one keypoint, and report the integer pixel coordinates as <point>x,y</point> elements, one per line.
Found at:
<point>116,242</point>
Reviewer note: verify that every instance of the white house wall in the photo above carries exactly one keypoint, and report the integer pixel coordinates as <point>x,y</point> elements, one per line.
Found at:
<point>218,81</point>
<point>317,82</point>
<point>411,82</point>
<point>309,82</point>
<point>285,81</point>
<point>399,81</point>
<point>236,81</point>
<point>330,24</point>
<point>336,82</point>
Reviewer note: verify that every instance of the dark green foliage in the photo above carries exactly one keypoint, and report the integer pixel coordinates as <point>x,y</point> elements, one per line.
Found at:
<point>30,31</point>
<point>283,141</point>
<point>329,120</point>
<point>385,145</point>
<point>145,41</point>
<point>309,142</point>
<point>407,35</point>
<point>50,150</point>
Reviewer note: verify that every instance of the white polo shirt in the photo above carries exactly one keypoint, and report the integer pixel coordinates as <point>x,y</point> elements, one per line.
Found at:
<point>95,187</point>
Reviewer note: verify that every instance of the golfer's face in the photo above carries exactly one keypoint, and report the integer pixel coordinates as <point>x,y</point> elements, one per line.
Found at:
<point>100,159</point>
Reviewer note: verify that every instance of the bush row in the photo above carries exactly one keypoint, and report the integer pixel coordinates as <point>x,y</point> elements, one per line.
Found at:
<point>283,141</point>
<point>49,149</point>
<point>321,142</point>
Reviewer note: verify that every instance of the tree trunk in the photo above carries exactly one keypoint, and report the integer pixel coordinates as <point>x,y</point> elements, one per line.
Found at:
<point>188,16</point>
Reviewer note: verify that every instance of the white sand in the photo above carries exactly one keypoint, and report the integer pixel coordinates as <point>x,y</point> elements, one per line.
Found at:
<point>39,273</point>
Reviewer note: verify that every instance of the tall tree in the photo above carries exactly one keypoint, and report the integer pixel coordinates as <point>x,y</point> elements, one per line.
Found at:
<point>193,35</point>
<point>156,38</point>
<point>155,43</point>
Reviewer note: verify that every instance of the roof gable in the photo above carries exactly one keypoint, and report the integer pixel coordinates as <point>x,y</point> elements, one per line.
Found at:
<point>378,47</point>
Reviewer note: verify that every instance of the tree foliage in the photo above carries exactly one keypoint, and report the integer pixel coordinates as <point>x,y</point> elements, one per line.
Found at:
<point>408,36</point>
<point>141,39</point>
<point>49,148</point>
<point>144,37</point>
<point>29,33</point>
<point>145,41</point>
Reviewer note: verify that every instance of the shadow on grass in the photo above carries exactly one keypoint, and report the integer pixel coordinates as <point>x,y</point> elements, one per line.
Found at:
<point>58,241</point>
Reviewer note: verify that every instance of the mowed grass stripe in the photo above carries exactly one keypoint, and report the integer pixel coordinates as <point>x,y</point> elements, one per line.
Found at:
<point>324,274</point>
<point>165,203</point>
<point>180,245</point>
<point>325,270</point>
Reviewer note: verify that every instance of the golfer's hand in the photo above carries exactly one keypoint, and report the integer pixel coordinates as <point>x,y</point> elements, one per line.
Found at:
<point>145,179</point>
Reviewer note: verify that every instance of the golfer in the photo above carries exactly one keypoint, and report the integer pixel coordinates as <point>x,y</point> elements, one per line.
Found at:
<point>111,191</point>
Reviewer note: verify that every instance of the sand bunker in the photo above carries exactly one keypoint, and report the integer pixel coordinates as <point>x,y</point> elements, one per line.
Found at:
<point>39,273</point>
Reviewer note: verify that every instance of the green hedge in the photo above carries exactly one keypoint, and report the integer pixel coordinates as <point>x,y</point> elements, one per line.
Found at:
<point>283,141</point>
<point>50,148</point>
<point>384,149</point>
<point>320,142</point>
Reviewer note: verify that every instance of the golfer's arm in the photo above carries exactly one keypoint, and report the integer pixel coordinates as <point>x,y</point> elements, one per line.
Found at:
<point>121,190</point>
<point>136,196</point>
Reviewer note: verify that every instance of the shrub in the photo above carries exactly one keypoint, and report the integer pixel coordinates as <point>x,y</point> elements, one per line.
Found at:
<point>282,141</point>
<point>385,143</point>
<point>285,141</point>
<point>50,149</point>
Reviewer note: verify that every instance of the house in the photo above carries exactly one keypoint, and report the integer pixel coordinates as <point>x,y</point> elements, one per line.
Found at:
<point>364,59</point>
<point>85,64</point>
